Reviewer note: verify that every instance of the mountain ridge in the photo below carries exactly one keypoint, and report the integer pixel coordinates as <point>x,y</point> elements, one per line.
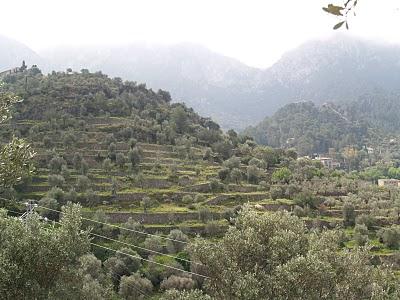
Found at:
<point>339,70</point>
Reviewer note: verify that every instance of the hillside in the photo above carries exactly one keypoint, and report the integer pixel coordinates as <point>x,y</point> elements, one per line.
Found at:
<point>159,186</point>
<point>128,151</point>
<point>314,128</point>
<point>379,109</point>
<point>309,128</point>
<point>69,95</point>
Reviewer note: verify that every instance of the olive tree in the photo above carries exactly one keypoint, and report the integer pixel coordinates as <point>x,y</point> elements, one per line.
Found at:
<point>135,287</point>
<point>177,241</point>
<point>37,260</point>
<point>134,157</point>
<point>15,156</point>
<point>273,256</point>
<point>175,294</point>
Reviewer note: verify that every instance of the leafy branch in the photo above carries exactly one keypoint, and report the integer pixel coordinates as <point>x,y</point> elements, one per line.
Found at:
<point>16,156</point>
<point>342,12</point>
<point>7,100</point>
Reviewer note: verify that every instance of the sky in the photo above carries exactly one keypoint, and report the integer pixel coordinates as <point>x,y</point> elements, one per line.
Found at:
<point>256,32</point>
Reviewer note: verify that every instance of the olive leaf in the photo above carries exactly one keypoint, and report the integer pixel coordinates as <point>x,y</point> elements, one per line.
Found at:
<point>334,10</point>
<point>338,25</point>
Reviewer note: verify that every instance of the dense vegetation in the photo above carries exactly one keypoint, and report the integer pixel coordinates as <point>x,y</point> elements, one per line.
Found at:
<point>310,128</point>
<point>140,198</point>
<point>379,109</point>
<point>61,97</point>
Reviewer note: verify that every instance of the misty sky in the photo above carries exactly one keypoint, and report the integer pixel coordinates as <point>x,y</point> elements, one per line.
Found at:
<point>255,32</point>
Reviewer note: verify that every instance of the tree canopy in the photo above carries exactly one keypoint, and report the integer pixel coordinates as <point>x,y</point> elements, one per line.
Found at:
<point>274,256</point>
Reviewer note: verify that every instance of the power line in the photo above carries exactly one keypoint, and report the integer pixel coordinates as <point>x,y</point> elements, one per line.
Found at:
<point>140,291</point>
<point>116,226</point>
<point>127,244</point>
<point>150,261</point>
<point>1,198</point>
<point>15,212</point>
<point>138,247</point>
<point>142,248</point>
<point>139,257</point>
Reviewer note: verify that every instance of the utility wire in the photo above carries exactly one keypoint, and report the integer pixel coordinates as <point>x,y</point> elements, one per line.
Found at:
<point>126,244</point>
<point>15,212</point>
<point>139,257</point>
<point>1,198</point>
<point>142,248</point>
<point>116,226</point>
<point>140,291</point>
<point>150,261</point>
<point>138,247</point>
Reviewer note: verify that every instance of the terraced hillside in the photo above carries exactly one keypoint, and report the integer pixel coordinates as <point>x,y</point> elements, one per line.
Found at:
<point>184,187</point>
<point>175,178</point>
<point>160,170</point>
<point>134,160</point>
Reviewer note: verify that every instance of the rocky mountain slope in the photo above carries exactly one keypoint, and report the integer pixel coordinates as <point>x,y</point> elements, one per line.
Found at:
<point>338,69</point>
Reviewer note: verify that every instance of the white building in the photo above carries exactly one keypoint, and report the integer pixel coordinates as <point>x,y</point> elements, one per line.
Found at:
<point>388,182</point>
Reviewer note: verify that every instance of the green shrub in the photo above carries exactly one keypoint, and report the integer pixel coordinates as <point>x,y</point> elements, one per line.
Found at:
<point>199,198</point>
<point>205,214</point>
<point>307,198</point>
<point>390,236</point>
<point>56,180</point>
<point>178,283</point>
<point>366,220</point>
<point>298,211</point>
<point>276,192</point>
<point>361,234</point>
<point>133,287</point>
<point>349,214</point>
<point>173,244</point>
<point>187,199</point>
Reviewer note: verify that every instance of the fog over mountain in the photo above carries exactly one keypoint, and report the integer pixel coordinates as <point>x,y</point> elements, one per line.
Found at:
<point>336,69</point>
<point>12,53</point>
<point>211,83</point>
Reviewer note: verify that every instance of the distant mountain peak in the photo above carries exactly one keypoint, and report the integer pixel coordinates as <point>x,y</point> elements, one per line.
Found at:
<point>336,69</point>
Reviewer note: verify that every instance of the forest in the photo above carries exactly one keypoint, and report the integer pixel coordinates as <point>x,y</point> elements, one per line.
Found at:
<point>110,190</point>
<point>370,121</point>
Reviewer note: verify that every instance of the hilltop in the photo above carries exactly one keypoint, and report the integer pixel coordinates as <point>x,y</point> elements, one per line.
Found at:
<point>205,80</point>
